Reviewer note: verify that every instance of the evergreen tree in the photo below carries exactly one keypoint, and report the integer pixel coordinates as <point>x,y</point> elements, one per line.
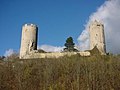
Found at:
<point>69,45</point>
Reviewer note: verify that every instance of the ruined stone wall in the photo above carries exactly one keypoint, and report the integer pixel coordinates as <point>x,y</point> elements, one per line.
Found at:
<point>28,39</point>
<point>28,48</point>
<point>33,55</point>
<point>97,37</point>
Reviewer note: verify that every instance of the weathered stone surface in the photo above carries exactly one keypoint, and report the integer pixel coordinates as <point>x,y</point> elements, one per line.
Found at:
<point>54,54</point>
<point>29,42</point>
<point>28,39</point>
<point>97,37</point>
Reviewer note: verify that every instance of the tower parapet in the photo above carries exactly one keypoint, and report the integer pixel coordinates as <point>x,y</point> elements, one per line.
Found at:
<point>28,24</point>
<point>97,37</point>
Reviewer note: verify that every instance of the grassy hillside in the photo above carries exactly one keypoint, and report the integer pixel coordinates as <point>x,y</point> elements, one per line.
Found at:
<point>66,73</point>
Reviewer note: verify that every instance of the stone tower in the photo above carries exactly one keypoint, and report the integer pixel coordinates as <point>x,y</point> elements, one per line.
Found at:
<point>28,39</point>
<point>97,37</point>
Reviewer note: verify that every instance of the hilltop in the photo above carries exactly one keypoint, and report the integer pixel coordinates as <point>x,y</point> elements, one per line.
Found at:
<point>66,73</point>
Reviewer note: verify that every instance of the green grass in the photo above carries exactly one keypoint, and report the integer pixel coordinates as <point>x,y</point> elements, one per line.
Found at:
<point>66,73</point>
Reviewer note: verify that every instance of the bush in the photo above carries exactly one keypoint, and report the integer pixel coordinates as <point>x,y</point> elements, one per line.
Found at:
<point>67,73</point>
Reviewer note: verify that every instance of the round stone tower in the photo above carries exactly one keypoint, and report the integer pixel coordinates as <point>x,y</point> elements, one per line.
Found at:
<point>28,39</point>
<point>97,37</point>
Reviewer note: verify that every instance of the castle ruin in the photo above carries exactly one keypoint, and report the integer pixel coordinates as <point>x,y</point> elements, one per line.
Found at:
<point>28,39</point>
<point>29,50</point>
<point>97,37</point>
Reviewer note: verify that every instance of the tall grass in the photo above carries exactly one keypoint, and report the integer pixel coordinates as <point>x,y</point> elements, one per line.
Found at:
<point>66,73</point>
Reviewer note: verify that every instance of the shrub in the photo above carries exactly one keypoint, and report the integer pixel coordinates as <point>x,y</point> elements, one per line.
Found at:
<point>67,73</point>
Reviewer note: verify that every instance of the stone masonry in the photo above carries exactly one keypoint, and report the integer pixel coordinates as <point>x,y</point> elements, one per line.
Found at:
<point>29,50</point>
<point>97,37</point>
<point>28,39</point>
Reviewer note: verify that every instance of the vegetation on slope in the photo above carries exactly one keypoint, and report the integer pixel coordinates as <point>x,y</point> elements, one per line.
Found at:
<point>66,73</point>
